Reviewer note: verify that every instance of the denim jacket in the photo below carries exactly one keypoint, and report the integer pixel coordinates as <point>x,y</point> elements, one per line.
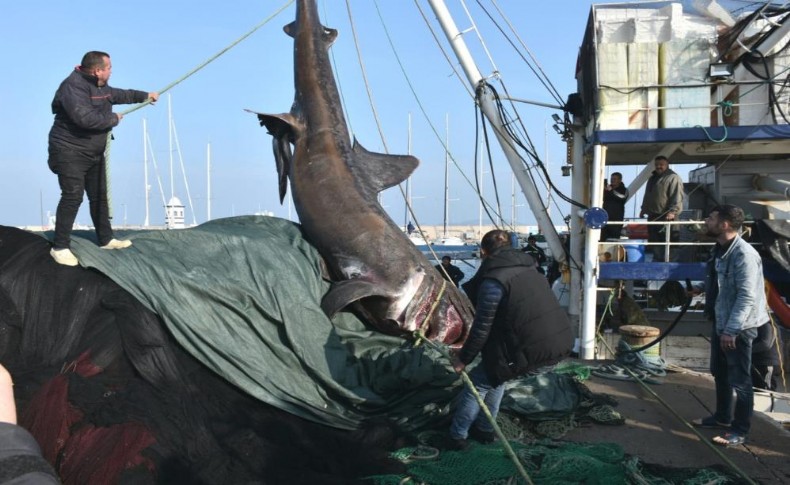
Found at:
<point>740,303</point>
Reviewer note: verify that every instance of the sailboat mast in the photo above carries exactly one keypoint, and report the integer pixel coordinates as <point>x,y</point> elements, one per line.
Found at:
<point>446,172</point>
<point>147,187</point>
<point>170,145</point>
<point>208,181</point>
<point>406,218</point>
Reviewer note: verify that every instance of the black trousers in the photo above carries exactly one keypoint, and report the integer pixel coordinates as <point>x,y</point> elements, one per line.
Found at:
<point>78,174</point>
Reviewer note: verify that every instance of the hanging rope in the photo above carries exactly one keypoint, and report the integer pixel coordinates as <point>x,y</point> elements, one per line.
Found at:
<point>667,406</point>
<point>468,382</point>
<point>170,86</point>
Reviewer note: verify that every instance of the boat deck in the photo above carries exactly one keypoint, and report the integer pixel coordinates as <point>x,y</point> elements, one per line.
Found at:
<point>656,435</point>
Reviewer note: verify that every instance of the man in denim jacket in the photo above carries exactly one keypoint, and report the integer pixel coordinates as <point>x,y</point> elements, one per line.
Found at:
<point>736,302</point>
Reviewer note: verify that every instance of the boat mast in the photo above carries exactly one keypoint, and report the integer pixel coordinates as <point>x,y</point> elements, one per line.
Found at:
<point>446,172</point>
<point>208,182</point>
<point>486,101</point>
<point>170,145</point>
<point>147,221</point>
<point>408,181</point>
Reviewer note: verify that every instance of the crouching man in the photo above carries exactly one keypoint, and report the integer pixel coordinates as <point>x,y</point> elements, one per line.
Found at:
<point>519,327</point>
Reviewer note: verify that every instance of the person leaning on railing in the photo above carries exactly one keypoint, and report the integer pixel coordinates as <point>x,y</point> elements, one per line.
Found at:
<point>663,201</point>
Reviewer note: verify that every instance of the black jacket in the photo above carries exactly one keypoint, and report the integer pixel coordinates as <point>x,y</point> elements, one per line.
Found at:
<point>455,273</point>
<point>519,325</point>
<point>83,113</point>
<point>614,202</point>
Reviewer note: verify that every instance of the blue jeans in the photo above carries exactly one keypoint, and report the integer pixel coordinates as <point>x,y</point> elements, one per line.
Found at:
<point>732,371</point>
<point>467,411</point>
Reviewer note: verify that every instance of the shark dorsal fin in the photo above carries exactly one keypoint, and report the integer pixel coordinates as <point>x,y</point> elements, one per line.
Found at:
<point>379,171</point>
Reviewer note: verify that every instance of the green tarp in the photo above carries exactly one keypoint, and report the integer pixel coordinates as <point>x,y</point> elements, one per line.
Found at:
<point>243,296</point>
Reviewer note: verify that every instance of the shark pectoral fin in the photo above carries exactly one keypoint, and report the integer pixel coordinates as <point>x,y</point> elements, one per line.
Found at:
<point>282,127</point>
<point>344,293</point>
<point>282,157</point>
<point>381,171</point>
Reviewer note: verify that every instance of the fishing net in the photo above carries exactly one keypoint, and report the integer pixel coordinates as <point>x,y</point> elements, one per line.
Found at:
<point>546,462</point>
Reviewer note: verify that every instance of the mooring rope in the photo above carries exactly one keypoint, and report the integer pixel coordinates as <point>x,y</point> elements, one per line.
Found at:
<point>702,438</point>
<point>170,86</point>
<point>502,438</point>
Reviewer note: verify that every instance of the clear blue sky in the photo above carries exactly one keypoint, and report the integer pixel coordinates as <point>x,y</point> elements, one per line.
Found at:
<point>153,43</point>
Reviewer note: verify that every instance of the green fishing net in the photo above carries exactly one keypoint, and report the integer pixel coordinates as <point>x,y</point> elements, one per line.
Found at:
<point>546,462</point>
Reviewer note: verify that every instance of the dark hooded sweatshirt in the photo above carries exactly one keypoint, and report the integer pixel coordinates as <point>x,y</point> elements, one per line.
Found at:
<point>519,325</point>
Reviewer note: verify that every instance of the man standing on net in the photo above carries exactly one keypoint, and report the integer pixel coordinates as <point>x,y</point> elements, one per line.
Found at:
<point>83,118</point>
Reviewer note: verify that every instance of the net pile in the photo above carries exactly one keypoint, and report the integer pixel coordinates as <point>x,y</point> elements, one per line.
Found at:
<point>547,462</point>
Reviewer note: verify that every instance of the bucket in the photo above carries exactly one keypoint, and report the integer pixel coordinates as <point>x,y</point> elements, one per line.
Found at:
<point>635,250</point>
<point>640,335</point>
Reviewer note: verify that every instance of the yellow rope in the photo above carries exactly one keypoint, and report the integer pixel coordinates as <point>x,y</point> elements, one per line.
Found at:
<point>170,86</point>
<point>421,331</point>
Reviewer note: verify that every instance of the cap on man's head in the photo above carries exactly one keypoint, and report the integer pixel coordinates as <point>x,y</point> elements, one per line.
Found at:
<point>446,258</point>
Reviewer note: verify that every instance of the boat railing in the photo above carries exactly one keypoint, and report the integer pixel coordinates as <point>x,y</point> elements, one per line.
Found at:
<point>681,259</point>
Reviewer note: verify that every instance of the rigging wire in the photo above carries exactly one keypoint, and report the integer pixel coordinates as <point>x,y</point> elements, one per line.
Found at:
<point>337,80</point>
<point>512,133</point>
<point>208,61</point>
<point>365,77</point>
<point>211,59</point>
<point>441,48</point>
<point>420,103</point>
<point>542,77</point>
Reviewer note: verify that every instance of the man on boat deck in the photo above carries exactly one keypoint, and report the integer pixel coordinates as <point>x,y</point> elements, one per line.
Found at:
<point>519,327</point>
<point>449,271</point>
<point>735,301</point>
<point>83,118</point>
<point>614,198</point>
<point>663,201</point>
<point>536,252</point>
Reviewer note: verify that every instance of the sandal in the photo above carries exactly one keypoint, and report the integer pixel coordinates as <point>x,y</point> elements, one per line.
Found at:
<point>729,439</point>
<point>709,422</point>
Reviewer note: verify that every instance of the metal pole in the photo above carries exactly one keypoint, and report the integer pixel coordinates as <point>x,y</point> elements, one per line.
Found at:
<point>590,286</point>
<point>486,100</point>
<point>579,192</point>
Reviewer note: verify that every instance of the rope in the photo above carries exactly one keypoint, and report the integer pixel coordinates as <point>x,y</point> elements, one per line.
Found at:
<point>170,86</point>
<point>465,377</point>
<point>420,103</point>
<point>365,77</point>
<point>702,438</point>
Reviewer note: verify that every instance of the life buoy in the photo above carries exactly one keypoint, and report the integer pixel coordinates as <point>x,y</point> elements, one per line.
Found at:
<point>777,305</point>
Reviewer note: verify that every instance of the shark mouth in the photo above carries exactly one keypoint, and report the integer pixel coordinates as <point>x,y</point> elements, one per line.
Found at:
<point>437,318</point>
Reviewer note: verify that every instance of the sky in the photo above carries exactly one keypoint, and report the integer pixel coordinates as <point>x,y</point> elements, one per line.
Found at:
<point>154,43</point>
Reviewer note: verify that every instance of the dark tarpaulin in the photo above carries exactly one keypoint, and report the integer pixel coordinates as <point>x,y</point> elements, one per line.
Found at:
<point>242,295</point>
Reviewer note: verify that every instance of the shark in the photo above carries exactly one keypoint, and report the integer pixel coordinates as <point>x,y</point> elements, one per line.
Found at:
<point>375,270</point>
